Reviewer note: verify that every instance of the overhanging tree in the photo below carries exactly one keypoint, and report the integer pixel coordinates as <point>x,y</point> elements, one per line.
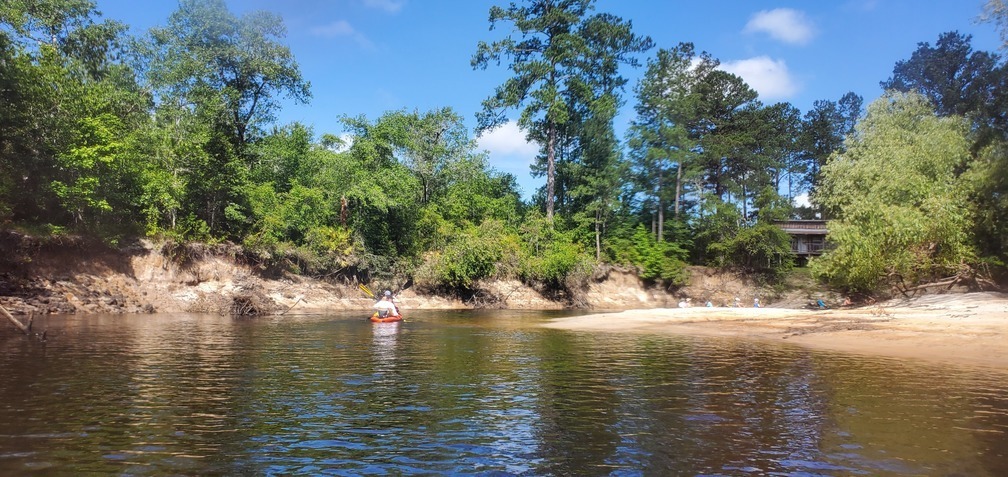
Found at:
<point>902,215</point>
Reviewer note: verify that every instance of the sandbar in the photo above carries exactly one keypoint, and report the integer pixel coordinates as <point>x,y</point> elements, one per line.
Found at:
<point>961,328</point>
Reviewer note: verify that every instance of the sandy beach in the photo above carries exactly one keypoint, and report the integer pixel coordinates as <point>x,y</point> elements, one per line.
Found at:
<point>962,328</point>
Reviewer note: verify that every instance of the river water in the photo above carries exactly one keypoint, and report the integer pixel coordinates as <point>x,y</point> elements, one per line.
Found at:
<point>474,393</point>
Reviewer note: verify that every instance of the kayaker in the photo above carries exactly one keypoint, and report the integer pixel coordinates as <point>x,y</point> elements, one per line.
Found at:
<point>385,306</point>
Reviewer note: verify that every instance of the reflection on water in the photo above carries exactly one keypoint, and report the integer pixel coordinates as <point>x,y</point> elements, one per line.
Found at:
<point>474,393</point>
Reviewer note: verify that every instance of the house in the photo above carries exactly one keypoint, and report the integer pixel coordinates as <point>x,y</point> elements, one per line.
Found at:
<point>808,237</point>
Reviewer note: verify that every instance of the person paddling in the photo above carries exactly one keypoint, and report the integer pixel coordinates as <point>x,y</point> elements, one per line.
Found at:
<point>385,306</point>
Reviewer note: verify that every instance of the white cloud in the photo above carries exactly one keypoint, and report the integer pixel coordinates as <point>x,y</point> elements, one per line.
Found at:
<point>769,77</point>
<point>511,153</point>
<point>342,29</point>
<point>802,200</point>
<point>390,6</point>
<point>346,141</point>
<point>784,24</point>
<point>508,139</point>
<point>335,29</point>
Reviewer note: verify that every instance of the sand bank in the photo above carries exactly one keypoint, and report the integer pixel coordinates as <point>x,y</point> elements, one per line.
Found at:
<point>968,328</point>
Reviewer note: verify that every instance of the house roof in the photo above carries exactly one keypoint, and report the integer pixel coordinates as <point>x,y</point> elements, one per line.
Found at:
<point>802,227</point>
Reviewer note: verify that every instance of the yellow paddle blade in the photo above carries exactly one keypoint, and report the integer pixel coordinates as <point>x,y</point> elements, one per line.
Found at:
<point>366,290</point>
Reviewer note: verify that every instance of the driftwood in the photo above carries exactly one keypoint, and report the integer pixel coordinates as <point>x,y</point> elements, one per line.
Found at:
<point>292,306</point>
<point>972,278</point>
<point>26,329</point>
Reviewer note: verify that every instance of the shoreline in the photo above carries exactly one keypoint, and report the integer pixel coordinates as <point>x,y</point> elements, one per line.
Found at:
<point>960,328</point>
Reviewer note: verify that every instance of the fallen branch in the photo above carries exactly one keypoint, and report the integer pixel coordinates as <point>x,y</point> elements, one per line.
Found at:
<point>21,326</point>
<point>945,282</point>
<point>292,306</point>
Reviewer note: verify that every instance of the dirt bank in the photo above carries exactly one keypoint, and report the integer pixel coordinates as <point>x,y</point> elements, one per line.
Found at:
<point>76,276</point>
<point>966,328</point>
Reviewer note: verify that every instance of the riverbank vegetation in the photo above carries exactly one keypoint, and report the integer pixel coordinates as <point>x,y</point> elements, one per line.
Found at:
<point>172,135</point>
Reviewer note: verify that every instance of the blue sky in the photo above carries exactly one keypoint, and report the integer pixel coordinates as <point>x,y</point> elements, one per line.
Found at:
<point>371,56</point>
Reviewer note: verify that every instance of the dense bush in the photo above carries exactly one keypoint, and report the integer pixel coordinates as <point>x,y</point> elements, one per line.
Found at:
<point>471,255</point>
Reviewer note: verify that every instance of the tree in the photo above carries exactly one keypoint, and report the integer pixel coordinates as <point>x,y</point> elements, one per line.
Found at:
<point>823,130</point>
<point>780,144</point>
<point>996,11</point>
<point>664,135</point>
<point>227,72</point>
<point>724,105</point>
<point>551,59</point>
<point>898,232</point>
<point>956,79</point>
<point>67,103</point>
<point>595,175</point>
<point>988,176</point>
<point>431,142</point>
<point>214,59</point>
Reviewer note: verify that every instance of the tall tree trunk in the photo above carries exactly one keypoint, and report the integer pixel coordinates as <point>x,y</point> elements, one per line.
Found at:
<point>790,197</point>
<point>661,219</point>
<point>678,188</point>
<point>550,170</point>
<point>598,235</point>
<point>661,206</point>
<point>745,203</point>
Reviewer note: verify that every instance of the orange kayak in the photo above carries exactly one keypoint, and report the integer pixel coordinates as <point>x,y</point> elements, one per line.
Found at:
<point>388,319</point>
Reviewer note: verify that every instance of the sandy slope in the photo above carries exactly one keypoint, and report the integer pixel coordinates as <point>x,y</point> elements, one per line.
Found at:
<point>970,328</point>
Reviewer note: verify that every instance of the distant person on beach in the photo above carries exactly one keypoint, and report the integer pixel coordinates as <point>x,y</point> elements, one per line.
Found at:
<point>755,302</point>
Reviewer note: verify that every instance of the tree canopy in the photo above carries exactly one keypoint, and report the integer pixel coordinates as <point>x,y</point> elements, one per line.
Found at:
<point>174,135</point>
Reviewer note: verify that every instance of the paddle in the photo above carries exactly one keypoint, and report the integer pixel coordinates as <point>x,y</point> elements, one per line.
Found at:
<point>367,291</point>
<point>408,283</point>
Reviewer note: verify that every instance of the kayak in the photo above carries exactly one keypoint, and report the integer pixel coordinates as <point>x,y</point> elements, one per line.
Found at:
<point>388,319</point>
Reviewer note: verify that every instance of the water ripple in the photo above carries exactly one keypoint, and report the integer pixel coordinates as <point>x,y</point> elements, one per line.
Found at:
<point>475,394</point>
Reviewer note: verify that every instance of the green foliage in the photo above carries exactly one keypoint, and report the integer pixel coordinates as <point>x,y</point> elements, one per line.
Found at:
<point>471,255</point>
<point>714,229</point>
<point>217,76</point>
<point>823,130</point>
<point>724,240</point>
<point>901,207</point>
<point>987,181</point>
<point>181,142</point>
<point>763,249</point>
<point>663,261</point>
<point>553,257</point>
<point>66,104</point>
<point>956,79</point>
<point>231,69</point>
